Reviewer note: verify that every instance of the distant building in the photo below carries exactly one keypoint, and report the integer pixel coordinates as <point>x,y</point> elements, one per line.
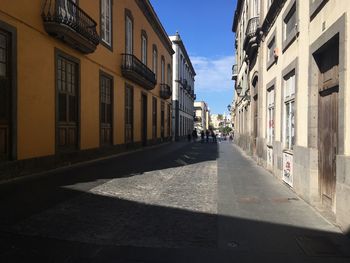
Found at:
<point>183,89</point>
<point>202,116</point>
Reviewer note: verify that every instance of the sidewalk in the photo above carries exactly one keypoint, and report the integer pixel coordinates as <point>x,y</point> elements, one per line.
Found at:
<point>264,219</point>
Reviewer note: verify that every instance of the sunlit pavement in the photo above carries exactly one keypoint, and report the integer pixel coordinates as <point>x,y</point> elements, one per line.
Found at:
<point>181,202</point>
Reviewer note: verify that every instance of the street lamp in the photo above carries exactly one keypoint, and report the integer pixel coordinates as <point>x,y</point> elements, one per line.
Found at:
<point>229,108</point>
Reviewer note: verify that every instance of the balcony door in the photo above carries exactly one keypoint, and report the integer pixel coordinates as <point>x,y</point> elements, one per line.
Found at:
<point>128,35</point>
<point>5,96</point>
<point>67,104</point>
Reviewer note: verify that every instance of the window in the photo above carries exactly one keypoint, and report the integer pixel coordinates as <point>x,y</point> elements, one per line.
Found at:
<point>289,108</point>
<point>106,22</point>
<point>154,118</point>
<point>162,70</point>
<point>144,47</point>
<point>129,114</point>
<point>315,7</point>
<point>289,26</point>
<point>67,103</point>
<point>155,60</point>
<point>270,115</point>
<point>169,80</point>
<point>129,35</point>
<point>271,52</point>
<point>106,109</point>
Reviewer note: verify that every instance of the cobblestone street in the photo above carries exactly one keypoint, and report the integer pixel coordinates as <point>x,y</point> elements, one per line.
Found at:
<point>183,202</point>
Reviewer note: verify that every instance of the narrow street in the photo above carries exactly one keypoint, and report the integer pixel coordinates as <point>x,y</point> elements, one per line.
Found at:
<point>180,202</point>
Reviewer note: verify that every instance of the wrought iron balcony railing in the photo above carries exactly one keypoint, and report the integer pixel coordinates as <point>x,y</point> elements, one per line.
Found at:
<point>136,71</point>
<point>67,21</point>
<point>234,72</point>
<point>251,39</point>
<point>165,91</point>
<point>253,25</point>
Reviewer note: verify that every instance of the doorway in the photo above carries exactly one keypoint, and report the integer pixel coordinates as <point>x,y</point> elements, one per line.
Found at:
<point>144,119</point>
<point>328,89</point>
<point>5,96</point>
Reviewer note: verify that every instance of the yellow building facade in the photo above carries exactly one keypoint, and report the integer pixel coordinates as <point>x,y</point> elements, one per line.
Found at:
<point>78,76</point>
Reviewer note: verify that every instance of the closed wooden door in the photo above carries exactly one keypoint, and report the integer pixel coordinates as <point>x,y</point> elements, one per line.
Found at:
<point>328,62</point>
<point>144,119</point>
<point>106,108</point>
<point>67,104</point>
<point>328,143</point>
<point>5,96</point>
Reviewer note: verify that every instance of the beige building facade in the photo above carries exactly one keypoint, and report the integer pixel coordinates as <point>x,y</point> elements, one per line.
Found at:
<point>291,108</point>
<point>202,116</point>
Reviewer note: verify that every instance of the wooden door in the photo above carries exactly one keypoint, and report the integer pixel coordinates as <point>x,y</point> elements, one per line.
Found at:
<point>106,110</point>
<point>67,104</point>
<point>144,119</point>
<point>5,96</point>
<point>328,62</point>
<point>328,143</point>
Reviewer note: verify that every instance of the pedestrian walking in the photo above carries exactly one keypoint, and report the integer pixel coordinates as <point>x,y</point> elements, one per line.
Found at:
<point>194,135</point>
<point>207,135</point>
<point>202,136</point>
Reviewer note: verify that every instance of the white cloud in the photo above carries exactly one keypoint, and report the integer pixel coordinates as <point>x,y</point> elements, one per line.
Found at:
<point>213,74</point>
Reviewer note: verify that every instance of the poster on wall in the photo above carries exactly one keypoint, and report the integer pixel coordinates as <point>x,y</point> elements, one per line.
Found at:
<point>288,168</point>
<point>269,157</point>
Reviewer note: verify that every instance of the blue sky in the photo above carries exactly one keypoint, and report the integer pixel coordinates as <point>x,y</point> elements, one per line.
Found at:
<point>205,27</point>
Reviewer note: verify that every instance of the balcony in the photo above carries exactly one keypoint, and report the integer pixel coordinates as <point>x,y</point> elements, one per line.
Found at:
<point>134,70</point>
<point>64,20</point>
<point>251,37</point>
<point>234,72</point>
<point>165,91</point>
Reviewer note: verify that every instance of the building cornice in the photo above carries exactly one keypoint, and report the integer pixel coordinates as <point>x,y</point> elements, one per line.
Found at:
<point>178,41</point>
<point>150,14</point>
<point>237,16</point>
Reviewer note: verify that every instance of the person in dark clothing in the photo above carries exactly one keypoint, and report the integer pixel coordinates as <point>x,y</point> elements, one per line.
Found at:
<point>207,135</point>
<point>213,135</point>
<point>202,136</point>
<point>194,135</point>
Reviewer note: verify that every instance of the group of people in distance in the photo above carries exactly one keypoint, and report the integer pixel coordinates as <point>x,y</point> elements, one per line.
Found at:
<point>205,136</point>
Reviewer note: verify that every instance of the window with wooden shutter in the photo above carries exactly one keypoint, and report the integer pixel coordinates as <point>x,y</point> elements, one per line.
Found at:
<point>67,103</point>
<point>106,109</point>
<point>129,114</point>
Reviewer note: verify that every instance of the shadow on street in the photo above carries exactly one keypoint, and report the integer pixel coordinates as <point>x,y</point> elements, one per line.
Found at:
<point>96,228</point>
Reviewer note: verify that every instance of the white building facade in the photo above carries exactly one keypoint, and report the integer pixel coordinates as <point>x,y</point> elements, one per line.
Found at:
<point>183,90</point>
<point>292,96</point>
<point>202,116</point>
